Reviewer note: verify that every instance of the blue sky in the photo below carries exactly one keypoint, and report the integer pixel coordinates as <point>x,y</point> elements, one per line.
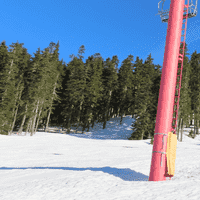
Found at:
<point>108,27</point>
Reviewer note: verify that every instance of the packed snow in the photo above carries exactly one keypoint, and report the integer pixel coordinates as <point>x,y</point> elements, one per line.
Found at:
<point>98,165</point>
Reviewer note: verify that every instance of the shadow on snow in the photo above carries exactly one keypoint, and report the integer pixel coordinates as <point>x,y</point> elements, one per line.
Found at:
<point>125,174</point>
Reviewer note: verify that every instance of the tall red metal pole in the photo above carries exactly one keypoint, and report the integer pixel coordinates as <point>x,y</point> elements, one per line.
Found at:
<point>167,91</point>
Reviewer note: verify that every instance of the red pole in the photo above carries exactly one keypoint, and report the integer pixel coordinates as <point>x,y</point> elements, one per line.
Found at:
<point>167,91</point>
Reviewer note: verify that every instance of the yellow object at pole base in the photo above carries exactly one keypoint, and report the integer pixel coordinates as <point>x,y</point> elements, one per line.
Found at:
<point>171,152</point>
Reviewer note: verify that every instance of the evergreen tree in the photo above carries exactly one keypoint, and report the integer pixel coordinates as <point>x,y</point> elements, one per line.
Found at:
<point>153,88</point>
<point>38,88</point>
<point>4,72</point>
<point>72,56</point>
<point>195,87</point>
<point>109,78</point>
<point>143,97</point>
<point>154,102</point>
<point>24,60</point>
<point>13,85</point>
<point>75,91</point>
<point>55,79</point>
<point>138,129</point>
<point>59,116</point>
<point>81,51</point>
<point>93,90</point>
<point>98,61</point>
<point>32,76</point>
<point>185,94</point>
<point>125,81</point>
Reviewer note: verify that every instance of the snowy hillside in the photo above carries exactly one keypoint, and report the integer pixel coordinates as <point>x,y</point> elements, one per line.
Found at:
<point>98,165</point>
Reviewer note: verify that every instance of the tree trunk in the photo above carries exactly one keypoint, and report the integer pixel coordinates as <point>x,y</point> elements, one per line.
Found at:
<point>15,115</point>
<point>48,118</point>
<point>37,123</point>
<point>177,129</point>
<point>13,124</point>
<point>107,110</point>
<point>34,119</point>
<point>112,112</point>
<point>47,124</point>
<point>10,127</point>
<point>142,135</point>
<point>29,122</point>
<point>81,107</point>
<point>194,127</point>
<point>23,121</point>
<point>149,137</point>
<point>181,130</point>
<point>28,126</point>
<point>191,120</point>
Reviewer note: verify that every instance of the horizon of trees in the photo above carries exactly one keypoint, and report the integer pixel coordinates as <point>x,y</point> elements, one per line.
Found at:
<point>42,90</point>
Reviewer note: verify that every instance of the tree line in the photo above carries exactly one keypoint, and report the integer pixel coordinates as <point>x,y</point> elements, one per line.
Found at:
<point>42,91</point>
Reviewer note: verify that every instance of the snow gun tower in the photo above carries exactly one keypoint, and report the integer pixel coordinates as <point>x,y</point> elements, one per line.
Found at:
<point>165,140</point>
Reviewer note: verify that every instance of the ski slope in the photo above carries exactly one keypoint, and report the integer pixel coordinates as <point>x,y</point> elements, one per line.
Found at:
<point>98,165</point>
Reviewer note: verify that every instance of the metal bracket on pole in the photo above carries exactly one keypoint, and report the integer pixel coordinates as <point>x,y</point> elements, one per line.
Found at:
<point>164,134</point>
<point>161,155</point>
<point>160,134</point>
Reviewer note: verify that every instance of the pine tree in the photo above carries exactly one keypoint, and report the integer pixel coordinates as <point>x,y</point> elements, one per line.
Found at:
<point>59,116</point>
<point>4,72</point>
<point>55,81</point>
<point>32,76</point>
<point>125,81</point>
<point>137,128</point>
<point>98,60</point>
<point>22,65</point>
<point>93,90</point>
<point>194,86</point>
<point>14,84</point>
<point>143,97</point>
<point>75,91</point>
<point>109,78</point>
<point>153,88</point>
<point>185,94</point>
<point>154,102</point>
<point>81,51</point>
<point>37,89</point>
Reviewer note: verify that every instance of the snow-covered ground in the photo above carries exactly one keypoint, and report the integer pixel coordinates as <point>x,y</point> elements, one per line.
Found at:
<point>98,165</point>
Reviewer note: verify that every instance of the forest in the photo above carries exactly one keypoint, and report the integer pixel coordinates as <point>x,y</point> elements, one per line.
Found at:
<point>43,91</point>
